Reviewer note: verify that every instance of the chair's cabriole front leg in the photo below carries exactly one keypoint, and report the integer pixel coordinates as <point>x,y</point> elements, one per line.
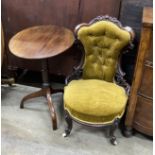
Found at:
<point>69,125</point>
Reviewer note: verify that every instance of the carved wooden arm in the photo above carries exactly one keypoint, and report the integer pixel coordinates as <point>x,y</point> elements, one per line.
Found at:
<point>77,70</point>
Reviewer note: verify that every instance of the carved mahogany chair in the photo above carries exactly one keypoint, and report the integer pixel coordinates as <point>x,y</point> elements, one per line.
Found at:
<point>96,93</point>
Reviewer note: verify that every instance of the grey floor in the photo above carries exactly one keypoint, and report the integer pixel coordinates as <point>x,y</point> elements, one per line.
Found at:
<point>29,131</point>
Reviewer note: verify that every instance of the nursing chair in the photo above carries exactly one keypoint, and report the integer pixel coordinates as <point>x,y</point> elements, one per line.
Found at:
<point>96,93</point>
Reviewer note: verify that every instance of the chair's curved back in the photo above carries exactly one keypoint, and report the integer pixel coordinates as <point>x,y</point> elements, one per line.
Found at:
<point>103,40</point>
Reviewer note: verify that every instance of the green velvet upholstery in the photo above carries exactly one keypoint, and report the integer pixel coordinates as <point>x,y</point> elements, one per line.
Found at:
<point>102,43</point>
<point>94,101</point>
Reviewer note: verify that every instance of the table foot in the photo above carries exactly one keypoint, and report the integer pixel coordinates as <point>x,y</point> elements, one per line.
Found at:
<point>47,93</point>
<point>52,110</point>
<point>39,93</point>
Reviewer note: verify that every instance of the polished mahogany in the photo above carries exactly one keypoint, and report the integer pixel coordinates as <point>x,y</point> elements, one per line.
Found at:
<point>40,42</point>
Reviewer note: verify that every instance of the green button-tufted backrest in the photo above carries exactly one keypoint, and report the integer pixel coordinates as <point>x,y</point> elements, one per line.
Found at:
<point>103,42</point>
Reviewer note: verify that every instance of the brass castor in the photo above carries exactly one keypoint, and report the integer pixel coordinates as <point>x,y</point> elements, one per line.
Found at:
<point>66,133</point>
<point>113,141</point>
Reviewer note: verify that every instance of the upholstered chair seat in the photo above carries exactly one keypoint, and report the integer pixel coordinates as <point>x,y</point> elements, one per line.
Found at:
<point>94,101</point>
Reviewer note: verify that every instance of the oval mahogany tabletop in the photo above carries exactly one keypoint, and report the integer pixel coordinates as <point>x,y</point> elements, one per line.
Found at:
<point>40,42</point>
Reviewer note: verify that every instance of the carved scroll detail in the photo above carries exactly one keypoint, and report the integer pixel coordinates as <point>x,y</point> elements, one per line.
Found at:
<point>106,18</point>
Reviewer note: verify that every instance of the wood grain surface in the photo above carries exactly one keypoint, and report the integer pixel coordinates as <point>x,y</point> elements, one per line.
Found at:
<point>40,42</point>
<point>147,16</point>
<point>139,112</point>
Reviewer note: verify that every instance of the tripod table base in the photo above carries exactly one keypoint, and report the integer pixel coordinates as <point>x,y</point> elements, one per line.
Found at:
<point>47,93</point>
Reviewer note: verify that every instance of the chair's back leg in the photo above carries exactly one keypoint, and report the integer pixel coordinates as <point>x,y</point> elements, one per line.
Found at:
<point>112,130</point>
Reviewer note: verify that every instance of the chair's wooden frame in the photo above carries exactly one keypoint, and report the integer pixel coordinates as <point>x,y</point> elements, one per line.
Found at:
<point>119,77</point>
